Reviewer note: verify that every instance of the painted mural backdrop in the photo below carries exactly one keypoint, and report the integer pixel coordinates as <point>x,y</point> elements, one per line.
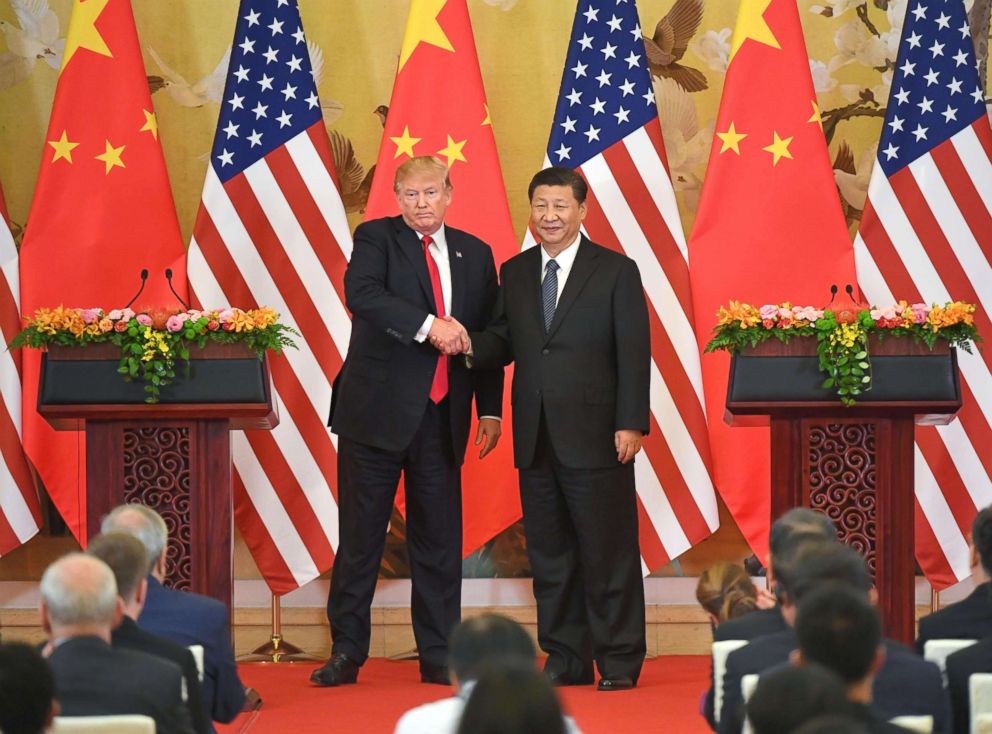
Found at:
<point>354,47</point>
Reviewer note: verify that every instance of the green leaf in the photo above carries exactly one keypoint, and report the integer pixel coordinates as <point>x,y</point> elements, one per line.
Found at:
<point>828,383</point>
<point>866,378</point>
<point>861,355</point>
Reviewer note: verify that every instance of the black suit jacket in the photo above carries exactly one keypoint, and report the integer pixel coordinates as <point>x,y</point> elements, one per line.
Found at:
<point>93,679</point>
<point>960,666</point>
<point>905,686</point>
<point>382,389</point>
<point>130,636</point>
<point>590,373</point>
<point>968,619</point>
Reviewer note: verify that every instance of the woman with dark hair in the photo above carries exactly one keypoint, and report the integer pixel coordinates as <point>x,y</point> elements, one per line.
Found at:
<point>512,701</point>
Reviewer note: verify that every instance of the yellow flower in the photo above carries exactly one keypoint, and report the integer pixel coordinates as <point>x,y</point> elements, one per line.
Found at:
<point>242,321</point>
<point>743,313</point>
<point>263,317</point>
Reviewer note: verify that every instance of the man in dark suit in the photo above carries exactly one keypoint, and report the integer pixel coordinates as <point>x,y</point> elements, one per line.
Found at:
<point>960,665</point>
<point>27,690</point>
<point>970,618</point>
<point>572,317</point>
<point>125,555</point>
<point>399,406</point>
<point>182,616</point>
<point>79,606</point>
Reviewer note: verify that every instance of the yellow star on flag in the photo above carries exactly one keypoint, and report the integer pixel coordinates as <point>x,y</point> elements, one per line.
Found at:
<point>422,27</point>
<point>62,147</point>
<point>111,157</point>
<point>405,142</point>
<point>151,124</point>
<point>779,148</point>
<point>816,116</point>
<point>82,30</point>
<point>731,139</point>
<point>751,24</point>
<point>453,152</point>
<point>489,119</point>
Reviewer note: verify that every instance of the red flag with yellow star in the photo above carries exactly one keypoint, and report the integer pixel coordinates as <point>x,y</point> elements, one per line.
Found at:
<point>439,108</point>
<point>769,227</point>
<point>102,212</point>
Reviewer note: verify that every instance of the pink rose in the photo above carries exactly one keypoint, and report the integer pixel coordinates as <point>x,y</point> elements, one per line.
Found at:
<point>115,315</point>
<point>120,326</point>
<point>127,314</point>
<point>768,311</point>
<point>91,315</point>
<point>920,313</point>
<point>193,314</point>
<point>144,319</point>
<point>226,315</point>
<point>174,323</point>
<point>213,325</point>
<point>785,313</point>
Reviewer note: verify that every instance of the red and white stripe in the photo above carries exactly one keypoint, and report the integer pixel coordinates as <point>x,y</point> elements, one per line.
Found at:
<point>20,515</point>
<point>926,235</point>
<point>277,235</point>
<point>631,208</point>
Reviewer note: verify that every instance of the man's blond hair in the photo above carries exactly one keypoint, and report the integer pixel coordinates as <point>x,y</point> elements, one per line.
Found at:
<point>421,165</point>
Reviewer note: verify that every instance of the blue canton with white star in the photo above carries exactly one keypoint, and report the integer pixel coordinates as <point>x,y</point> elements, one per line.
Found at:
<point>270,95</point>
<point>935,89</point>
<point>606,90</point>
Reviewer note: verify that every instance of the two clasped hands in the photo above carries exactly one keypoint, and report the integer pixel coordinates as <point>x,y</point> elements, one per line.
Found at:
<point>450,337</point>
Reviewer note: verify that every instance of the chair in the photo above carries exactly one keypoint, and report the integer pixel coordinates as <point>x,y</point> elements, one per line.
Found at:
<point>748,683</point>
<point>980,699</point>
<point>936,651</point>
<point>197,651</point>
<point>721,650</point>
<point>119,724</point>
<point>921,724</point>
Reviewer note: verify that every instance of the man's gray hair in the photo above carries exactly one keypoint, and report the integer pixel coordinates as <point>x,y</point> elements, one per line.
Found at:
<point>79,590</point>
<point>144,524</point>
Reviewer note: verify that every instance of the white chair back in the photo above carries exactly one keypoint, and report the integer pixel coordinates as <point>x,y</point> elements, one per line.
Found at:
<point>921,724</point>
<point>980,700</point>
<point>748,683</point>
<point>721,649</point>
<point>197,651</point>
<point>120,724</point>
<point>936,651</point>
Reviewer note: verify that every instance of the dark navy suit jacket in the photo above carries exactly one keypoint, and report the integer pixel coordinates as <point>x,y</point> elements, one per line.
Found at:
<point>968,619</point>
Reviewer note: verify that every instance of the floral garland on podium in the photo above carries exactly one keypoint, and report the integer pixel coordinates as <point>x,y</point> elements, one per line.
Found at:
<point>842,334</point>
<point>152,340</point>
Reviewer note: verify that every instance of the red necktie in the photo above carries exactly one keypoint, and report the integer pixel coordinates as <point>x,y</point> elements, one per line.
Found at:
<point>439,387</point>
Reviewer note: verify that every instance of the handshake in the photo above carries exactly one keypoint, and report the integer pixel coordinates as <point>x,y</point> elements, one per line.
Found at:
<point>449,337</point>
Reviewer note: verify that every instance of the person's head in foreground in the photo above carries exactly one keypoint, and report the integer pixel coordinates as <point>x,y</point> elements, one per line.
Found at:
<point>27,690</point>
<point>79,598</point>
<point>512,700</point>
<point>486,641</point>
<point>725,591</point>
<point>790,696</point>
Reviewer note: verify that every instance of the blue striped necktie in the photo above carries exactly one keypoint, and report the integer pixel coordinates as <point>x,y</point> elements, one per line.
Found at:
<point>549,292</point>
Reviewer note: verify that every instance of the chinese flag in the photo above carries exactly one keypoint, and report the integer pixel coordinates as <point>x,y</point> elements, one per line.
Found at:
<point>769,227</point>
<point>102,211</point>
<point>439,108</point>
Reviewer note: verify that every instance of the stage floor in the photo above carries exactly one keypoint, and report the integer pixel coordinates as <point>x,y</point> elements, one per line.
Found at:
<point>666,700</point>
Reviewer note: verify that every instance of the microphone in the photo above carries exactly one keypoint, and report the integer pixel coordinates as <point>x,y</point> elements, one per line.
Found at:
<point>168,279</point>
<point>144,278</point>
<point>849,290</point>
<point>833,294</point>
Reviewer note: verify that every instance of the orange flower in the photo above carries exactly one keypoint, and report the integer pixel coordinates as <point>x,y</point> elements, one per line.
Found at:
<point>105,325</point>
<point>241,321</point>
<point>263,317</point>
<point>744,313</point>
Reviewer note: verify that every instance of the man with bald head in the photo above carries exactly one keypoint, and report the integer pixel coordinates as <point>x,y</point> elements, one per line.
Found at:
<point>79,607</point>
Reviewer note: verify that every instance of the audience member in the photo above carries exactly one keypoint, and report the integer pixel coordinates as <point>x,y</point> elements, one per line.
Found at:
<point>27,690</point>
<point>476,645</point>
<point>184,617</point>
<point>832,724</point>
<point>789,696</point>
<point>970,618</point>
<point>839,629</point>
<point>905,686</point>
<point>726,592</point>
<point>960,666</point>
<point>126,557</point>
<point>79,606</point>
<point>512,700</point>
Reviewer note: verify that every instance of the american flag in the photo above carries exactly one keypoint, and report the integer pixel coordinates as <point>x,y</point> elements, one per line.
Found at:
<point>606,126</point>
<point>926,235</point>
<point>272,230</point>
<point>20,516</point>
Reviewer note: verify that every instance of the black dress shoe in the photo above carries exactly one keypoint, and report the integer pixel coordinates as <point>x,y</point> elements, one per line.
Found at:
<point>337,671</point>
<point>431,673</point>
<point>563,679</point>
<point>615,684</point>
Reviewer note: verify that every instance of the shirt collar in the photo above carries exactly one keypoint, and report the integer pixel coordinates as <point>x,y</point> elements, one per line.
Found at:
<point>439,237</point>
<point>565,258</point>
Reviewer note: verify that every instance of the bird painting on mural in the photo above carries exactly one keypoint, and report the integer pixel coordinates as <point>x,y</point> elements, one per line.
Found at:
<point>355,182</point>
<point>852,180</point>
<point>668,45</point>
<point>34,38</point>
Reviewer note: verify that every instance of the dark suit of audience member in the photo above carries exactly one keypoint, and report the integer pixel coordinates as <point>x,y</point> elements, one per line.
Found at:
<point>94,679</point>
<point>960,666</point>
<point>194,619</point>
<point>968,619</point>
<point>758,656</point>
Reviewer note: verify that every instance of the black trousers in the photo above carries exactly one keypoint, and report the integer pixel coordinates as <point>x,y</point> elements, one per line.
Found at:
<point>367,481</point>
<point>581,528</point>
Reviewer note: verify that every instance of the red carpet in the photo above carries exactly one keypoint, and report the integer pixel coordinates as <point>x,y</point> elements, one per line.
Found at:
<point>666,700</point>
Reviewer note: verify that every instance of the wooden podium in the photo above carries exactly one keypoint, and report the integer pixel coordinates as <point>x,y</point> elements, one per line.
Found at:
<point>854,464</point>
<point>174,456</point>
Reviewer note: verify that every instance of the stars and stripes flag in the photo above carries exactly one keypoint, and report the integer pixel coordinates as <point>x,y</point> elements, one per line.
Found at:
<point>20,515</point>
<point>926,235</point>
<point>272,230</point>
<point>606,127</point>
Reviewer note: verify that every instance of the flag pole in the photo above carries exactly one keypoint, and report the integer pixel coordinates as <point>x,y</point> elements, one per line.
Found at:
<point>277,649</point>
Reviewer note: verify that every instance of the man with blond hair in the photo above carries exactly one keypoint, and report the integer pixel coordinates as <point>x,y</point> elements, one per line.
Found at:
<point>399,406</point>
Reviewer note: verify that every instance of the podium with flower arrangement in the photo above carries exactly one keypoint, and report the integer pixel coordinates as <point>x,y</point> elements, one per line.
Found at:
<point>842,390</point>
<point>157,393</point>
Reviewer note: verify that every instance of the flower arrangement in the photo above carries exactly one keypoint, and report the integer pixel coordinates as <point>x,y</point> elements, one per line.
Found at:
<point>152,340</point>
<point>842,334</point>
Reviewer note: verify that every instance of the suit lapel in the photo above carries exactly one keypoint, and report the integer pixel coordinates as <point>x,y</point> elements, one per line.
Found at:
<point>584,265</point>
<point>413,249</point>
<point>534,283</point>
<point>457,264</point>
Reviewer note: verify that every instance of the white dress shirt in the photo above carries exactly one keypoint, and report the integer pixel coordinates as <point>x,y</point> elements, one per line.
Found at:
<point>439,250</point>
<point>565,260</point>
